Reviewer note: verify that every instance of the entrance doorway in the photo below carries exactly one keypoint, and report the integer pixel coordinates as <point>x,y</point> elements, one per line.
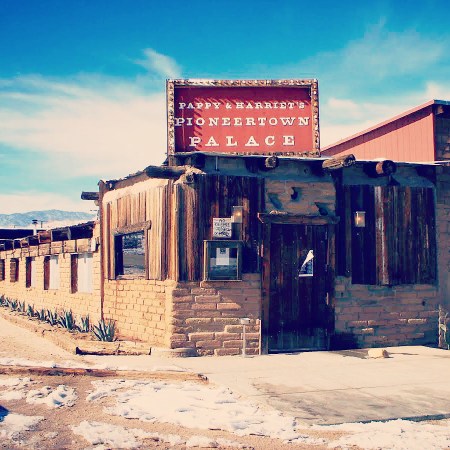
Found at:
<point>297,314</point>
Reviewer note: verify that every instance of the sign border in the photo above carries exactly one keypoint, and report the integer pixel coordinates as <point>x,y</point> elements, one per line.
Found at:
<point>172,84</point>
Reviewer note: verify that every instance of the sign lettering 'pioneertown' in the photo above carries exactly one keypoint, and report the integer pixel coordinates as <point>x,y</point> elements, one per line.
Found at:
<point>243,116</point>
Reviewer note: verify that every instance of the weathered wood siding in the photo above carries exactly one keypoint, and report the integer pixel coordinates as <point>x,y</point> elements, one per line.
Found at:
<point>398,243</point>
<point>214,196</point>
<point>145,202</point>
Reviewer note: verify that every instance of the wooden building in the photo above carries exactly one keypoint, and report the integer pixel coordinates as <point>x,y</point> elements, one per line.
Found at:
<point>316,253</point>
<point>248,225</point>
<point>421,134</point>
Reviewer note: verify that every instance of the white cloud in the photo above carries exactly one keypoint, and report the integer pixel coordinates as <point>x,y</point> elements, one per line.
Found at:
<point>161,64</point>
<point>341,117</point>
<point>38,201</point>
<point>104,129</point>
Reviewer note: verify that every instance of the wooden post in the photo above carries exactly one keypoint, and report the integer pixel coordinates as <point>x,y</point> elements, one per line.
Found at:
<point>339,162</point>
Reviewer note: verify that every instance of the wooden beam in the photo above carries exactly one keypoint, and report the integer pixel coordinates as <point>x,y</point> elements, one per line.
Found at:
<point>44,237</point>
<point>171,173</point>
<point>89,195</point>
<point>339,162</point>
<point>82,231</point>
<point>103,373</point>
<point>297,219</point>
<point>60,234</point>
<point>380,168</point>
<point>33,240</point>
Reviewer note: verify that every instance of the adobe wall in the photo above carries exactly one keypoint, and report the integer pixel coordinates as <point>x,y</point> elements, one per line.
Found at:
<point>374,316</point>
<point>206,316</point>
<point>141,309</point>
<point>81,304</point>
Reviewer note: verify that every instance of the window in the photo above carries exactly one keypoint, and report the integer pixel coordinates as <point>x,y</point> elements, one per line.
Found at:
<point>30,269</point>
<point>51,272</point>
<point>397,245</point>
<point>130,254</point>
<point>2,269</point>
<point>14,270</point>
<point>81,273</point>
<point>223,260</point>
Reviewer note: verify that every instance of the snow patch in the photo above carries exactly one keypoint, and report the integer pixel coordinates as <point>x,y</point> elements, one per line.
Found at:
<point>16,385</point>
<point>13,424</point>
<point>54,398</point>
<point>393,435</point>
<point>195,406</point>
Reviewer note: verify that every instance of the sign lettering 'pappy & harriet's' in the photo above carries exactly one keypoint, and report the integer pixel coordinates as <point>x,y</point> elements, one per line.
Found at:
<point>243,116</point>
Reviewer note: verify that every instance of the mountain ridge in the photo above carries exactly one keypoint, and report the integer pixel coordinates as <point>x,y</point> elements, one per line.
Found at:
<point>50,218</point>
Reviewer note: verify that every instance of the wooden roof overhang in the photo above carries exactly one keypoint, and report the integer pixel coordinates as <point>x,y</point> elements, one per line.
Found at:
<point>81,231</point>
<point>6,244</point>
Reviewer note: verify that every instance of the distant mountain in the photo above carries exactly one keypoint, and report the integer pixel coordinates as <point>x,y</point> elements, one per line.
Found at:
<point>51,218</point>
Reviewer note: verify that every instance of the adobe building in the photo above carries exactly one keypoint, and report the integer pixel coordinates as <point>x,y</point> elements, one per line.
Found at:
<point>57,269</point>
<point>246,224</point>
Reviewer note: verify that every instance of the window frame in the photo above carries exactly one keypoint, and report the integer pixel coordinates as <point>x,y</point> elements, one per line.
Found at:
<point>50,276</point>
<point>75,271</point>
<point>14,271</point>
<point>117,255</point>
<point>2,269</point>
<point>211,246</point>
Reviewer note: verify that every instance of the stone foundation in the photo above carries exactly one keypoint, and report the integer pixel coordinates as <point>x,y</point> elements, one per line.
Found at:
<point>206,316</point>
<point>374,316</point>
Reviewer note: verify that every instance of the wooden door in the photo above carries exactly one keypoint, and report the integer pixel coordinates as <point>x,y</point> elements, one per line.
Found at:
<point>298,314</point>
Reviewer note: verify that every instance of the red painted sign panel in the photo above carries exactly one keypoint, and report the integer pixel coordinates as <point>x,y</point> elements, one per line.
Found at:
<point>235,118</point>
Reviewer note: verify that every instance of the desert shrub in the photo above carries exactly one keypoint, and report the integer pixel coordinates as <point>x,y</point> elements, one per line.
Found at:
<point>105,330</point>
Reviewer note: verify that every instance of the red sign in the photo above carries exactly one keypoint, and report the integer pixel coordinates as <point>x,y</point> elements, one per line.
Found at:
<point>243,116</point>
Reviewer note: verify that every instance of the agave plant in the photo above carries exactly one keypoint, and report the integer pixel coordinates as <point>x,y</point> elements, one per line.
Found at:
<point>52,317</point>
<point>66,320</point>
<point>105,330</point>
<point>21,307</point>
<point>3,300</point>
<point>85,325</point>
<point>13,304</point>
<point>30,311</point>
<point>41,314</point>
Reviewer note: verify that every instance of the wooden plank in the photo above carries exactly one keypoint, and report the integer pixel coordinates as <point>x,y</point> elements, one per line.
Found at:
<point>266,285</point>
<point>103,373</point>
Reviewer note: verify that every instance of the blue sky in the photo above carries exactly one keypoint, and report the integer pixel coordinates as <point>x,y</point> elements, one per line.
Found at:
<point>82,83</point>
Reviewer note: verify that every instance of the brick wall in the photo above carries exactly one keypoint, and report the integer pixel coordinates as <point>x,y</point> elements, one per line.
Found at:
<point>80,303</point>
<point>206,316</point>
<point>374,316</point>
<point>141,309</point>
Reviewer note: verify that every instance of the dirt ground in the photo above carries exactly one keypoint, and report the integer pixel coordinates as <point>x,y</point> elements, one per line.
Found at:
<point>54,432</point>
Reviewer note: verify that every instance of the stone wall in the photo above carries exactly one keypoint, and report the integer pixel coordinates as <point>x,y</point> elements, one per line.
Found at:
<point>443,239</point>
<point>206,316</point>
<point>80,303</point>
<point>374,316</point>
